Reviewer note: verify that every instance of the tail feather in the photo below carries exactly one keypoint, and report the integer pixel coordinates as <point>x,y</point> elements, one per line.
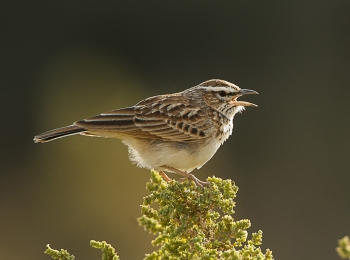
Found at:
<point>58,133</point>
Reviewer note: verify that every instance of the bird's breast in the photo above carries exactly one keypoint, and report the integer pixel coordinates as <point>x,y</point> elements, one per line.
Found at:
<point>186,156</point>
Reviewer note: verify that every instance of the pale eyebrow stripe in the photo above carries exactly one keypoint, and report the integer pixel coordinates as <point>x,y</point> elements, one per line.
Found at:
<point>217,89</point>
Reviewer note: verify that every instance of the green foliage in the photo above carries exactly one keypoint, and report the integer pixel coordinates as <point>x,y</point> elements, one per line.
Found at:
<point>61,255</point>
<point>196,223</point>
<point>190,223</point>
<point>108,252</point>
<point>343,248</point>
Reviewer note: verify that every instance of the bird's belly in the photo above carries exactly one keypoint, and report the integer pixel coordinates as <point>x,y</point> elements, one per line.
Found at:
<point>154,154</point>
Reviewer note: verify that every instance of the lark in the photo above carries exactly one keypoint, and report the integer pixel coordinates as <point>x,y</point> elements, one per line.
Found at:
<point>175,133</point>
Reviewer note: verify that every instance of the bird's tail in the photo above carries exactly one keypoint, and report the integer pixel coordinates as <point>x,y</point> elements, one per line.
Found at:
<point>58,133</point>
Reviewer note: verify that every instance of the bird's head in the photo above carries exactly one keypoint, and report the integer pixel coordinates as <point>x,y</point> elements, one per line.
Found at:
<point>222,96</point>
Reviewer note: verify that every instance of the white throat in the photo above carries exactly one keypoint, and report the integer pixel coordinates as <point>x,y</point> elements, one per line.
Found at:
<point>237,109</point>
<point>229,112</point>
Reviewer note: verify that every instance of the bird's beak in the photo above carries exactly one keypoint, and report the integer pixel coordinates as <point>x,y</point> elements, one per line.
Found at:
<point>243,103</point>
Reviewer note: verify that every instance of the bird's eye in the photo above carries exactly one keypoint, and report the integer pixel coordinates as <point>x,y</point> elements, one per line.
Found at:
<point>222,94</point>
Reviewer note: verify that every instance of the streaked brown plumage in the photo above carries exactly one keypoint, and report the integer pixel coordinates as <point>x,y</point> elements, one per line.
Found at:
<point>176,132</point>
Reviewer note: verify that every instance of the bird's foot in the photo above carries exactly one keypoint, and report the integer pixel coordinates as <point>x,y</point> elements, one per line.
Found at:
<point>190,176</point>
<point>198,182</point>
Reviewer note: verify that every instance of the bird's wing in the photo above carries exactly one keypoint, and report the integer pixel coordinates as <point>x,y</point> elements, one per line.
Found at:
<point>166,117</point>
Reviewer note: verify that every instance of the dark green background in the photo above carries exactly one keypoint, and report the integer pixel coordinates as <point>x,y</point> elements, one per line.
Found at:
<point>61,61</point>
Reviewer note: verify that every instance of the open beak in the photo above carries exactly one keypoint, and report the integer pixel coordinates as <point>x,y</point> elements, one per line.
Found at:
<point>243,103</point>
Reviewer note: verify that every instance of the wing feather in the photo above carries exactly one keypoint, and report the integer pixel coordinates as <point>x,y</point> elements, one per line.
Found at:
<point>166,117</point>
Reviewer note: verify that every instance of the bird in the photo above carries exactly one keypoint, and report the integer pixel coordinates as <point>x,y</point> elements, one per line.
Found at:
<point>175,133</point>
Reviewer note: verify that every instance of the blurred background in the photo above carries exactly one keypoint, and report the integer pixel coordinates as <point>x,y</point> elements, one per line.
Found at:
<point>63,61</point>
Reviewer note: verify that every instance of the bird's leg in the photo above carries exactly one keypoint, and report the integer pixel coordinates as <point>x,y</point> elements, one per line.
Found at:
<point>188,175</point>
<point>165,177</point>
